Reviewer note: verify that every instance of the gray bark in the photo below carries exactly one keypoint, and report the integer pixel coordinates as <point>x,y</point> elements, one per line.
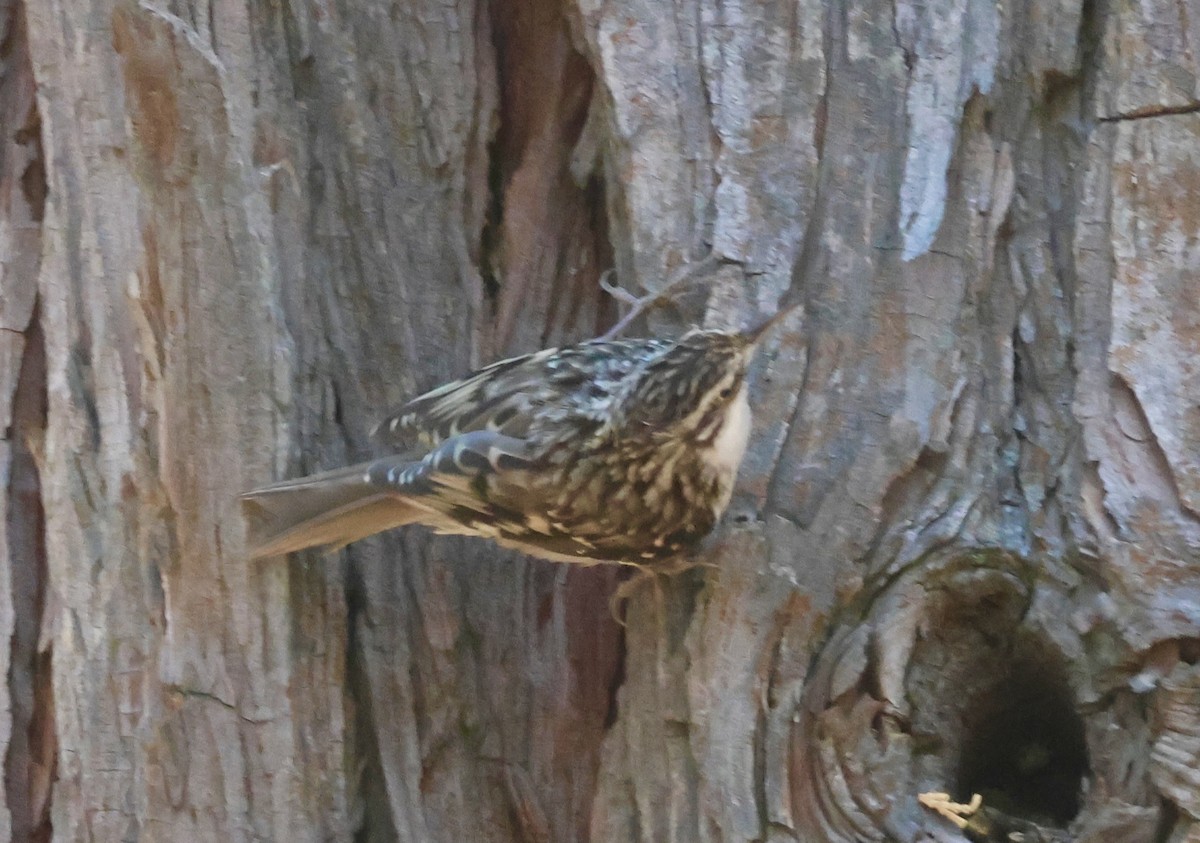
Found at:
<point>964,554</point>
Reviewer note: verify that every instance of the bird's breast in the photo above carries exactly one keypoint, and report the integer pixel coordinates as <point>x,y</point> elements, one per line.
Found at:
<point>729,445</point>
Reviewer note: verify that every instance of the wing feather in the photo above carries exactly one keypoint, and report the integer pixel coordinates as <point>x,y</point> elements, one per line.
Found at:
<point>502,396</point>
<point>457,462</point>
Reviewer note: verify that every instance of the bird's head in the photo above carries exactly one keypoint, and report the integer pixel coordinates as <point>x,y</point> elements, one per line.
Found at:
<point>688,389</point>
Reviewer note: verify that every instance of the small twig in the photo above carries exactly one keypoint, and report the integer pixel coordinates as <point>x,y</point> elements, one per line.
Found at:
<point>956,812</point>
<point>640,304</point>
<point>619,293</point>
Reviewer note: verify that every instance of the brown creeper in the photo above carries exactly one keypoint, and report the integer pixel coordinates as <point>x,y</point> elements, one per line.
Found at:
<point>607,451</point>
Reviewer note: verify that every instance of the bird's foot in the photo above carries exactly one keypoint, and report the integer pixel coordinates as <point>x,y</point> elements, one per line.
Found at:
<point>644,574</point>
<point>625,590</point>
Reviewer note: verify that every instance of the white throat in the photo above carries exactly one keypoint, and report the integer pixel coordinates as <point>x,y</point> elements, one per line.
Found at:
<point>729,446</point>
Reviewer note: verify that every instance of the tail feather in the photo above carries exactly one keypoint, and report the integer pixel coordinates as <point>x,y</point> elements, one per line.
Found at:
<point>323,510</point>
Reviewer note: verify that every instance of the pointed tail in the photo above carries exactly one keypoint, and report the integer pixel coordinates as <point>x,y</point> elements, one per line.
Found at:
<point>323,510</point>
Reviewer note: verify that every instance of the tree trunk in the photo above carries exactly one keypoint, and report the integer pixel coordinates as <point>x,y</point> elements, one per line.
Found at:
<point>964,554</point>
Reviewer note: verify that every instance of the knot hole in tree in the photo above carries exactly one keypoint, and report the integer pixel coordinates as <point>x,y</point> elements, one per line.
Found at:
<point>990,692</point>
<point>951,677</point>
<point>1022,743</point>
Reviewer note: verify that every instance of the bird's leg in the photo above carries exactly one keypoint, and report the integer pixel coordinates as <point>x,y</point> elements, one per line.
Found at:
<point>639,304</point>
<point>682,564</point>
<point>671,568</point>
<point>626,589</point>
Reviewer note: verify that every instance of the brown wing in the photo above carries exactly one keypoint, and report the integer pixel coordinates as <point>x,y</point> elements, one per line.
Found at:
<point>503,396</point>
<point>478,483</point>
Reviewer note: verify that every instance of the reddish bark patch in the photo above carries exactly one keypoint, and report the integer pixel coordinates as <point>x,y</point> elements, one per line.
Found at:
<point>547,238</point>
<point>150,70</point>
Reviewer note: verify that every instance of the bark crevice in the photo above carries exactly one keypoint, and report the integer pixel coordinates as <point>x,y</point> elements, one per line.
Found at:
<point>31,758</point>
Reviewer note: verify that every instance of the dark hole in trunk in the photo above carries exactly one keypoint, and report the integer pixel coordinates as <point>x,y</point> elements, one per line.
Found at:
<point>1023,747</point>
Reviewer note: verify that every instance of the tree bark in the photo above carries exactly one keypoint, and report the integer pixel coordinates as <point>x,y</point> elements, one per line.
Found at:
<point>964,553</point>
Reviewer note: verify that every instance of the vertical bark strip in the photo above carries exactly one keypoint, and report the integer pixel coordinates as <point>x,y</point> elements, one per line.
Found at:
<point>27,727</point>
<point>963,551</point>
<point>174,669</point>
<point>32,749</point>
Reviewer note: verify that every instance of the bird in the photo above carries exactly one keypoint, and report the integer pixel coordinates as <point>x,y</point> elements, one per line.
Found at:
<point>612,450</point>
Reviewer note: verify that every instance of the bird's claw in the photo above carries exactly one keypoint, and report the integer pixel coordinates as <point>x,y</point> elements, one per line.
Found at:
<point>625,590</point>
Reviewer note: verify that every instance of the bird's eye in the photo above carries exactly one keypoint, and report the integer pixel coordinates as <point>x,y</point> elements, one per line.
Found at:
<point>726,392</point>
